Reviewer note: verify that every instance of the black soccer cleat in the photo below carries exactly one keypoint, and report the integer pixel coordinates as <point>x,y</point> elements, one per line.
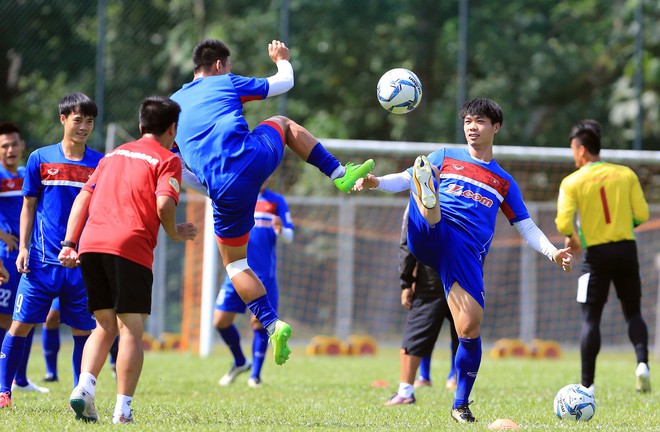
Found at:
<point>462,414</point>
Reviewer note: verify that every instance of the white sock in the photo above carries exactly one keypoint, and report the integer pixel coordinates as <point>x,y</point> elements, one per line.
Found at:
<point>338,172</point>
<point>123,406</point>
<point>88,382</point>
<point>406,390</point>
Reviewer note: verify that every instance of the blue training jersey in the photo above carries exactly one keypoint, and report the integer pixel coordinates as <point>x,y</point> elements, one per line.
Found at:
<point>11,203</point>
<point>212,129</point>
<point>55,181</point>
<point>262,246</point>
<point>471,191</point>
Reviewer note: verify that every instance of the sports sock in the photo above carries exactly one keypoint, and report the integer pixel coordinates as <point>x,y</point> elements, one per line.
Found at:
<point>76,358</point>
<point>324,161</point>
<point>123,406</point>
<point>50,340</point>
<point>468,360</point>
<point>263,310</point>
<point>88,382</point>
<point>233,340</point>
<point>406,390</point>
<point>21,372</point>
<point>639,336</point>
<point>425,368</point>
<point>259,348</point>
<point>10,358</point>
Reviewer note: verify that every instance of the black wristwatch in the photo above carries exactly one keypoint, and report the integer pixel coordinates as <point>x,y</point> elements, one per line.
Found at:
<point>67,243</point>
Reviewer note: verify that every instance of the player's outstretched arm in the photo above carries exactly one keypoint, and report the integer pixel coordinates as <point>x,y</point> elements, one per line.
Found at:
<point>369,182</point>
<point>68,256</point>
<point>282,81</point>
<point>166,207</point>
<point>563,258</point>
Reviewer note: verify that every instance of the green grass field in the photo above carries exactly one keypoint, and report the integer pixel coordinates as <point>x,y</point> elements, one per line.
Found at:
<point>179,392</point>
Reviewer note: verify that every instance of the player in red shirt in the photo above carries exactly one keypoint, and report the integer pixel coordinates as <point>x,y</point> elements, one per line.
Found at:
<point>116,216</point>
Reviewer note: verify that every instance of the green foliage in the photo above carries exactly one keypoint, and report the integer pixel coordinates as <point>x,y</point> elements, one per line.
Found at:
<point>179,392</point>
<point>547,63</point>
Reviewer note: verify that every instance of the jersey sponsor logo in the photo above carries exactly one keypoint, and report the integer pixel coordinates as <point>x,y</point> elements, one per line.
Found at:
<point>175,184</point>
<point>457,167</point>
<point>459,190</point>
<point>64,174</point>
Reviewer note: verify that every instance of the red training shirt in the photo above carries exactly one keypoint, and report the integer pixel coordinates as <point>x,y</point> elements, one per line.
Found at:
<point>122,218</point>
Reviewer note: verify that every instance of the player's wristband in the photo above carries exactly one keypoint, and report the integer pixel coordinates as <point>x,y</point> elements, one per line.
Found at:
<point>67,243</point>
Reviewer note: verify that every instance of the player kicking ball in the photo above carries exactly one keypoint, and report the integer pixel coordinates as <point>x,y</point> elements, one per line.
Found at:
<point>455,198</point>
<point>232,161</point>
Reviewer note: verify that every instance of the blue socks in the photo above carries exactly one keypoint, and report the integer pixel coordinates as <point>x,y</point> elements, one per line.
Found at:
<point>233,340</point>
<point>76,359</point>
<point>324,161</point>
<point>50,340</point>
<point>468,360</point>
<point>21,372</point>
<point>263,310</point>
<point>425,368</point>
<point>259,347</point>
<point>12,354</point>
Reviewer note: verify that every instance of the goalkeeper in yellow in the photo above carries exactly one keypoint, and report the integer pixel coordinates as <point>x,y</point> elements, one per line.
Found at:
<point>609,201</point>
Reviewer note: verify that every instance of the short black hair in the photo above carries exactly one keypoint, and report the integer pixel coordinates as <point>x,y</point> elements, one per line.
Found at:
<point>78,103</point>
<point>8,128</point>
<point>157,113</point>
<point>208,52</point>
<point>482,107</point>
<point>587,132</point>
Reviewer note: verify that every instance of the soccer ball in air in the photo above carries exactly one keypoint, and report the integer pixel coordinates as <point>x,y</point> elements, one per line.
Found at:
<point>575,402</point>
<point>399,91</point>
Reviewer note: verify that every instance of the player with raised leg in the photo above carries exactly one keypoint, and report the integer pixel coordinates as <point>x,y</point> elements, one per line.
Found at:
<point>451,224</point>
<point>233,162</point>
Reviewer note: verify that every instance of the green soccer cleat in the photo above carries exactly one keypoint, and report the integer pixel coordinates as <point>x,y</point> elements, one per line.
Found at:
<point>279,340</point>
<point>353,173</point>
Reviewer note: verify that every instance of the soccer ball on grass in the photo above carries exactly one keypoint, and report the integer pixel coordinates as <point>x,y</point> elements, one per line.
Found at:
<point>399,91</point>
<point>575,402</point>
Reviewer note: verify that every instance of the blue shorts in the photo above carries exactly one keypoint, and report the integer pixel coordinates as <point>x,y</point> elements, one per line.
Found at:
<point>233,210</point>
<point>228,299</point>
<point>448,251</point>
<point>9,288</point>
<point>44,283</point>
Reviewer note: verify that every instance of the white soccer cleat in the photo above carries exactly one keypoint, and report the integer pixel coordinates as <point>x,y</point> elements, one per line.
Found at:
<point>83,404</point>
<point>30,387</point>
<point>234,372</point>
<point>423,179</point>
<point>643,376</point>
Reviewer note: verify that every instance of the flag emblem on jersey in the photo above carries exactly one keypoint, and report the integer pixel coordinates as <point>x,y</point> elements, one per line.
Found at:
<point>64,174</point>
<point>174,183</point>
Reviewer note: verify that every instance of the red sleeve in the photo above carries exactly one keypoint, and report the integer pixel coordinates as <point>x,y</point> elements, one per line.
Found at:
<point>169,178</point>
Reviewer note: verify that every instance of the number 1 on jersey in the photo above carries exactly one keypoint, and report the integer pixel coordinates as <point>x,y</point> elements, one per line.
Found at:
<point>606,209</point>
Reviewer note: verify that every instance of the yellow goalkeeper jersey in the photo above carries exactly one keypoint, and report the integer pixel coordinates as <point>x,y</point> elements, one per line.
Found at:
<point>608,199</point>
